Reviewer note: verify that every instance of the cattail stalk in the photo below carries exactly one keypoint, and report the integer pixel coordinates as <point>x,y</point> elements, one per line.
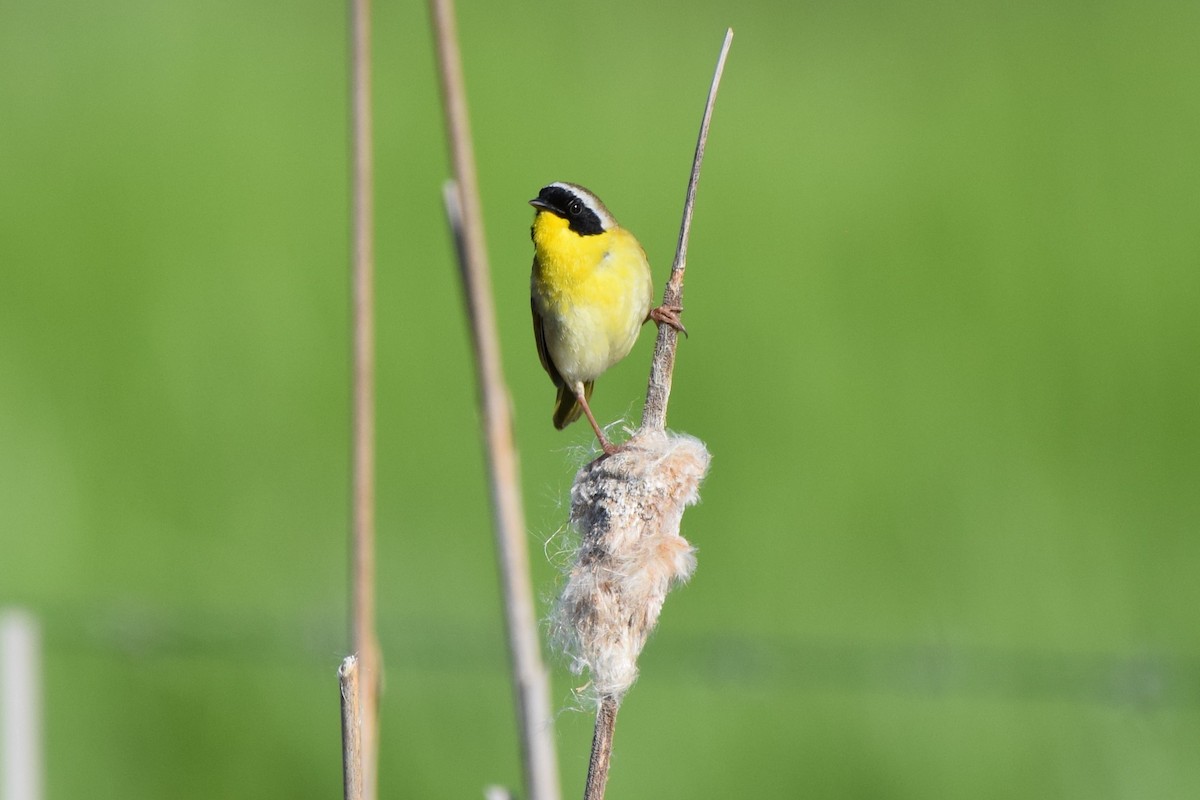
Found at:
<point>627,508</point>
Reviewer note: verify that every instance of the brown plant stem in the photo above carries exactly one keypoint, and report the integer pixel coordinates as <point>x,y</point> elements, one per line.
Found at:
<point>531,684</point>
<point>658,388</point>
<point>606,725</point>
<point>362,578</point>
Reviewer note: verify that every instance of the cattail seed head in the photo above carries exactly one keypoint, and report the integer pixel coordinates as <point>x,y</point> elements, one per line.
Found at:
<point>627,510</point>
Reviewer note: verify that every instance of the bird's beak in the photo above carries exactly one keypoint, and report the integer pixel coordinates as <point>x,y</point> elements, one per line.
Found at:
<point>538,202</point>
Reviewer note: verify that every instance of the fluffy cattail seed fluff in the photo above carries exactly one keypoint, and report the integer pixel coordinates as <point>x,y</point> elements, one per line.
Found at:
<point>627,509</point>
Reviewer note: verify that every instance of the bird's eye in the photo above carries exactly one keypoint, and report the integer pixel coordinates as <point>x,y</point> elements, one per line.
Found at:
<point>575,208</point>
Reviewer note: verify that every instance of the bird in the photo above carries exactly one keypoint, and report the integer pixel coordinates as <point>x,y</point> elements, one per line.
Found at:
<point>590,293</point>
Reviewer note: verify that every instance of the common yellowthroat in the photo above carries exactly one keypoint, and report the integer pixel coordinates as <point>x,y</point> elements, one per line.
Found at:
<point>591,292</point>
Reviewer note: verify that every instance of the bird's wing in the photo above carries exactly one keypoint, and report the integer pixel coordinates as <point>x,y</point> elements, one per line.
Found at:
<point>539,336</point>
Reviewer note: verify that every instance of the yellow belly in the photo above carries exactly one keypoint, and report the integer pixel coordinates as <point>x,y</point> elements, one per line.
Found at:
<point>593,294</point>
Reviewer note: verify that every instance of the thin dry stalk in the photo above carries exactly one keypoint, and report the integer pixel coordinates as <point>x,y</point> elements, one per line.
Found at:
<point>658,389</point>
<point>531,685</point>
<point>362,577</point>
<point>606,725</point>
<point>21,768</point>
<point>628,508</point>
<point>352,766</point>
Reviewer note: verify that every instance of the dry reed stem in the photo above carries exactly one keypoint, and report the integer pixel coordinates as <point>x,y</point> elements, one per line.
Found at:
<point>364,641</point>
<point>606,726</point>
<point>22,771</point>
<point>352,765</point>
<point>531,683</point>
<point>658,388</point>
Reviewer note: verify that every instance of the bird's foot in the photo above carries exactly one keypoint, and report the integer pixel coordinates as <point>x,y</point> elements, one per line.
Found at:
<point>669,315</point>
<point>609,449</point>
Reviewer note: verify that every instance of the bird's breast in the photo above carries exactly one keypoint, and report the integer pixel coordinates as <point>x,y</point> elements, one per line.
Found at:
<point>593,294</point>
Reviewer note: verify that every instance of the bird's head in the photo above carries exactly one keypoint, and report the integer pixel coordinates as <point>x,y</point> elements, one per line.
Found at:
<point>582,210</point>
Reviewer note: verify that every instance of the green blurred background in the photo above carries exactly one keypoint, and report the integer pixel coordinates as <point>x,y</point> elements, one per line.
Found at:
<point>943,289</point>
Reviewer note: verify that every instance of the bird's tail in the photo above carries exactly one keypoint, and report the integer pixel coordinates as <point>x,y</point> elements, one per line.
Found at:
<point>567,408</point>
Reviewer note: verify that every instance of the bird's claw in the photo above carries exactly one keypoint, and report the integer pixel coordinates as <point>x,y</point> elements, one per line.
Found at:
<point>669,315</point>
